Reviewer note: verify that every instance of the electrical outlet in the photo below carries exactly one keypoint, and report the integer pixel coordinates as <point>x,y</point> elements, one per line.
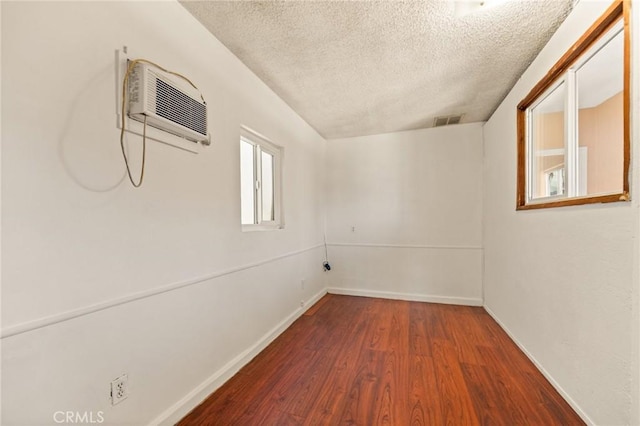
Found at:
<point>302,303</point>
<point>119,389</point>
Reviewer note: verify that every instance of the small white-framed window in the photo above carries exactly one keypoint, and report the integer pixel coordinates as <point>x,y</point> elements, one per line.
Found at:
<point>260,182</point>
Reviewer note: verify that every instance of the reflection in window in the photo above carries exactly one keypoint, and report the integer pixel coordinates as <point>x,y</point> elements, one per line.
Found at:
<point>554,182</point>
<point>547,144</point>
<point>600,116</point>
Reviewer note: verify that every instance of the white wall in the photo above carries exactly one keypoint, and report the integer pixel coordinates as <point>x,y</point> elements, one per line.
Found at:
<point>77,237</point>
<point>564,282</point>
<point>404,214</point>
<point>86,257</point>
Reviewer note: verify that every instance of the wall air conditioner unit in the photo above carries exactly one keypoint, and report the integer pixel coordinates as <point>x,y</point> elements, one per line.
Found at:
<point>175,108</point>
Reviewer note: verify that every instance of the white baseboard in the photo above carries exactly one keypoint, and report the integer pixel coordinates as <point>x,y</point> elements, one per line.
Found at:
<point>544,372</point>
<point>181,408</point>
<point>466,301</point>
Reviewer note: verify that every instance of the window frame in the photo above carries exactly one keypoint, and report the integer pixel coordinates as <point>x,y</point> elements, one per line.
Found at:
<point>619,10</point>
<point>262,144</point>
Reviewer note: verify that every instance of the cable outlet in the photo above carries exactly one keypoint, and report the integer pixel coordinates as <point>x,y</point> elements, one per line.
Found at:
<point>119,389</point>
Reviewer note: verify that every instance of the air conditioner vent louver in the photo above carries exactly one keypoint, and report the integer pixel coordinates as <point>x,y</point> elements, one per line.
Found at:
<point>447,120</point>
<point>166,105</point>
<point>175,106</point>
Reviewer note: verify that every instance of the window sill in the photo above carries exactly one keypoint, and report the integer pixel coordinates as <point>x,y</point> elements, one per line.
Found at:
<point>261,227</point>
<point>610,198</point>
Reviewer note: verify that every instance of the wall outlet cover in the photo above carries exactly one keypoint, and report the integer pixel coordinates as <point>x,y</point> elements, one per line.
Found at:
<point>119,389</point>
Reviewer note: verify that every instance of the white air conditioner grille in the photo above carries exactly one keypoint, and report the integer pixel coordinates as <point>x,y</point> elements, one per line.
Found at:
<point>176,106</point>
<point>161,103</point>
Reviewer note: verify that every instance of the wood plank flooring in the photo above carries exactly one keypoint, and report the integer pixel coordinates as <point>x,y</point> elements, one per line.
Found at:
<point>361,361</point>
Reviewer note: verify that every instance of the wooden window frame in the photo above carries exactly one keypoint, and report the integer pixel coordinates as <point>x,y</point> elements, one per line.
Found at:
<point>618,10</point>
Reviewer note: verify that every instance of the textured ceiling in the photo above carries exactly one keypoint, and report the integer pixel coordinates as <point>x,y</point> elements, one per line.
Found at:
<point>352,68</point>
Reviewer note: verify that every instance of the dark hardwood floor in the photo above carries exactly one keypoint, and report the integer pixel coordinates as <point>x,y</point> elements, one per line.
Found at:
<point>361,361</point>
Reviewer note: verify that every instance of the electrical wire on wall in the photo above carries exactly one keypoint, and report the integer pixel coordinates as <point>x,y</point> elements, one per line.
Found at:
<point>325,264</point>
<point>130,66</point>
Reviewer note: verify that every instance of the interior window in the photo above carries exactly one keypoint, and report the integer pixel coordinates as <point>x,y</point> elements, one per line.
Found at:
<point>573,127</point>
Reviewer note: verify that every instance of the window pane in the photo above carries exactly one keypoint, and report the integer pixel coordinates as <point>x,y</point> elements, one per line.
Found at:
<point>600,120</point>
<point>547,159</point>
<point>267,187</point>
<point>247,183</point>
